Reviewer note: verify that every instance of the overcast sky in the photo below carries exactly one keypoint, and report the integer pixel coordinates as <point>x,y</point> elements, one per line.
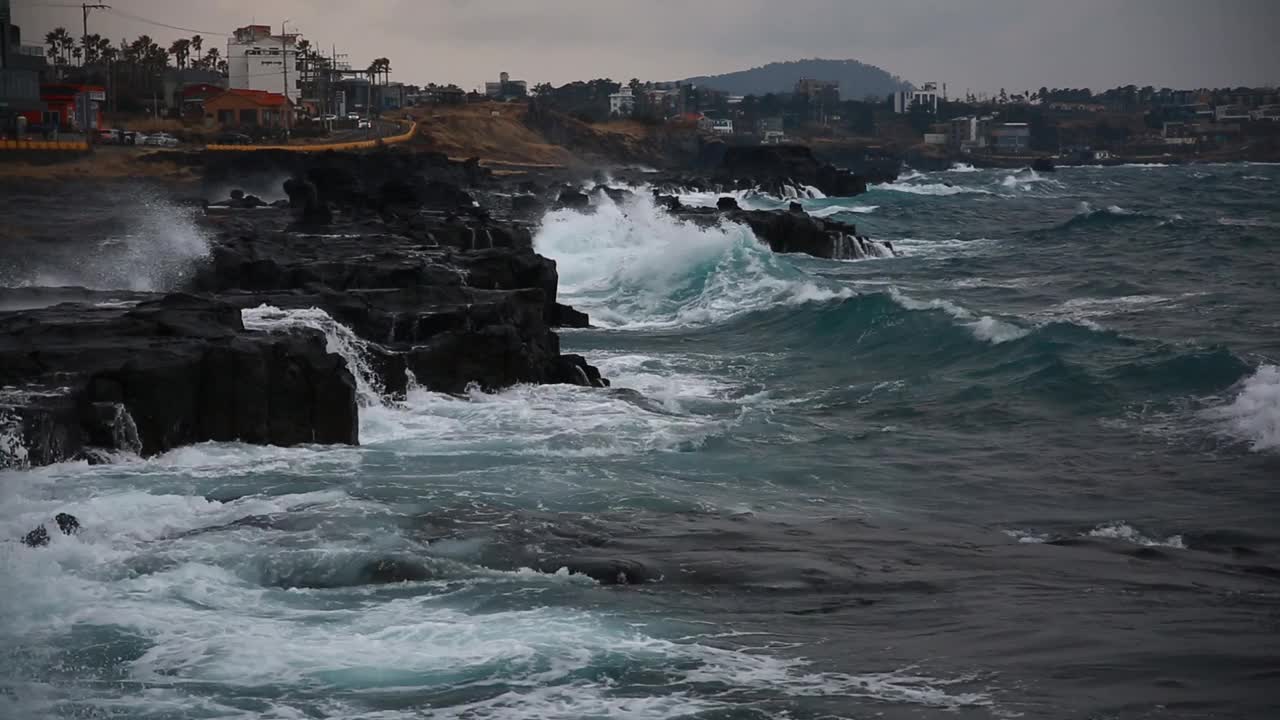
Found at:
<point>981,45</point>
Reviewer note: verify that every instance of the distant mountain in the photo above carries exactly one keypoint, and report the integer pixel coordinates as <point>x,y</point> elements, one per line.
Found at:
<point>857,80</point>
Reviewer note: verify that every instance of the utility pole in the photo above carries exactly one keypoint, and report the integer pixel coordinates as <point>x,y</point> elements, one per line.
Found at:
<point>84,49</point>
<point>284,57</point>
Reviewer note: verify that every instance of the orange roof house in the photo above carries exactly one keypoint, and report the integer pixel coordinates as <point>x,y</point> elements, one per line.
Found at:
<point>248,108</point>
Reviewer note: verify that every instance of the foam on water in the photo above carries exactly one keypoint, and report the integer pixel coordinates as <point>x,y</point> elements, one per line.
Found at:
<point>1254,414</point>
<point>904,185</point>
<point>1127,533</point>
<point>339,339</point>
<point>983,327</point>
<point>635,266</point>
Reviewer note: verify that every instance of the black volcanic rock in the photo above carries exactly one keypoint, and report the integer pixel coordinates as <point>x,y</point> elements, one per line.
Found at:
<point>167,372</point>
<point>798,232</point>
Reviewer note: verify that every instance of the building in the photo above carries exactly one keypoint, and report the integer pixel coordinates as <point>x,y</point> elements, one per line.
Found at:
<point>69,107</point>
<point>238,108</point>
<point>258,60</point>
<point>506,88</point>
<point>969,133</point>
<point>352,95</point>
<point>622,103</point>
<point>20,68</point>
<point>391,96</point>
<point>766,125</point>
<point>1266,113</point>
<point>175,82</point>
<point>1011,138</point>
<point>936,138</point>
<point>824,92</point>
<point>924,96</point>
<point>1228,113</point>
<point>445,95</point>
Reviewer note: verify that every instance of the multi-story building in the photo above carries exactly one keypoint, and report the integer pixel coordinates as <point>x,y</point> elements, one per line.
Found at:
<point>19,76</point>
<point>506,88</point>
<point>969,133</point>
<point>622,103</point>
<point>926,95</point>
<point>1011,138</point>
<point>258,60</point>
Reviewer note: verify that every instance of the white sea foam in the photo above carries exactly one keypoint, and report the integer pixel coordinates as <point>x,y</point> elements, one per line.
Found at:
<point>339,340</point>
<point>1254,414</point>
<point>635,266</point>
<point>157,251</point>
<point>963,168</point>
<point>824,212</point>
<point>940,189</point>
<point>983,327</point>
<point>1127,533</point>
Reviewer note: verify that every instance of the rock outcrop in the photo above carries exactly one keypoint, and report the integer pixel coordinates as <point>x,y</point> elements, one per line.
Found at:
<point>166,372</point>
<point>392,246</point>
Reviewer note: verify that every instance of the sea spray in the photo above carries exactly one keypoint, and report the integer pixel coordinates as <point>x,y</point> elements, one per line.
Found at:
<point>339,340</point>
<point>634,265</point>
<point>1254,414</point>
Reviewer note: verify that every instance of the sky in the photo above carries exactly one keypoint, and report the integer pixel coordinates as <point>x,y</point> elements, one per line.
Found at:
<point>977,45</point>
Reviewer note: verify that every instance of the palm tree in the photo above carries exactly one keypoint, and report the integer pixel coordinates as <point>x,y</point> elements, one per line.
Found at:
<point>180,50</point>
<point>60,43</point>
<point>197,45</point>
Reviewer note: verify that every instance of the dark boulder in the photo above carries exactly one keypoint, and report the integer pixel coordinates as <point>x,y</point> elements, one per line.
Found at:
<point>39,537</point>
<point>573,200</point>
<point>727,203</point>
<point>569,317</point>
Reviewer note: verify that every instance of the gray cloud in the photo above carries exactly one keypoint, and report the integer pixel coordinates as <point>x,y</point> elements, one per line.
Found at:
<point>970,44</point>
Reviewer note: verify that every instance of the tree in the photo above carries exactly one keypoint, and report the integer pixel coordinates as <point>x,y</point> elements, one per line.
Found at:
<point>60,43</point>
<point>180,50</point>
<point>197,45</point>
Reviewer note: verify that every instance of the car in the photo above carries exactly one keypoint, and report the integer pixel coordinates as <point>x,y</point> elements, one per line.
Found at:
<point>161,140</point>
<point>328,118</point>
<point>108,136</point>
<point>232,138</point>
<point>353,116</point>
<point>364,125</point>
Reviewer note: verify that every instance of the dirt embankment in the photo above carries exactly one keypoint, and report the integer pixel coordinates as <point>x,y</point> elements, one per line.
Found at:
<point>514,134</point>
<point>107,163</point>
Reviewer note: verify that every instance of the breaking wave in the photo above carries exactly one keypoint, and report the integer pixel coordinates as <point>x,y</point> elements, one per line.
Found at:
<point>634,265</point>
<point>1254,415</point>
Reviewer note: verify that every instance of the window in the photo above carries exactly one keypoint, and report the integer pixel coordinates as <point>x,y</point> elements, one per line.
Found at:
<point>248,117</point>
<point>226,117</point>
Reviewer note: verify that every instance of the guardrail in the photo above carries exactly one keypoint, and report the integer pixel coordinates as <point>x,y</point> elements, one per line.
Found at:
<point>80,146</point>
<point>324,147</point>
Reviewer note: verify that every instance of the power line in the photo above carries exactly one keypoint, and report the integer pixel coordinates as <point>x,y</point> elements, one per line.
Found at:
<point>137,18</point>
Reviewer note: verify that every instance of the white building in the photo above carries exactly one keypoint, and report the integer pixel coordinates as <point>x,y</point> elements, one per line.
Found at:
<point>926,95</point>
<point>622,103</point>
<point>256,61</point>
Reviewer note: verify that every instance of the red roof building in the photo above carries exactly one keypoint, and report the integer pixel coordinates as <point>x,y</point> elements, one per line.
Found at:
<point>70,106</point>
<point>248,108</point>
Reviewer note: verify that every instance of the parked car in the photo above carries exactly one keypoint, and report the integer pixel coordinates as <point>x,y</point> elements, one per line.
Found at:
<point>107,136</point>
<point>353,116</point>
<point>328,118</point>
<point>364,125</point>
<point>161,140</point>
<point>232,138</point>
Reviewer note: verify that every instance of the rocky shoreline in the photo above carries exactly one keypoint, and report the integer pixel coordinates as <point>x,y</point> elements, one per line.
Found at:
<point>428,263</point>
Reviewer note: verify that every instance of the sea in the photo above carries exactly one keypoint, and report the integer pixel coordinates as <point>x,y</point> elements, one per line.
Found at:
<point>1028,468</point>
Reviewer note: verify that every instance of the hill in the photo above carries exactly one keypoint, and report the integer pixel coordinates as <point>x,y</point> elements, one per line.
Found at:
<point>857,80</point>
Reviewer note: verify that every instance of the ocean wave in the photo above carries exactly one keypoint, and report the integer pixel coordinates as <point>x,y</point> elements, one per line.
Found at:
<point>156,250</point>
<point>1026,180</point>
<point>963,168</point>
<point>938,189</point>
<point>984,327</point>
<point>1127,533</point>
<point>828,211</point>
<point>635,266</point>
<point>1254,415</point>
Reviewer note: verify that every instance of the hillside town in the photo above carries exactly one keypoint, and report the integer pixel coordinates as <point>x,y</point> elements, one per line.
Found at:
<point>268,84</point>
